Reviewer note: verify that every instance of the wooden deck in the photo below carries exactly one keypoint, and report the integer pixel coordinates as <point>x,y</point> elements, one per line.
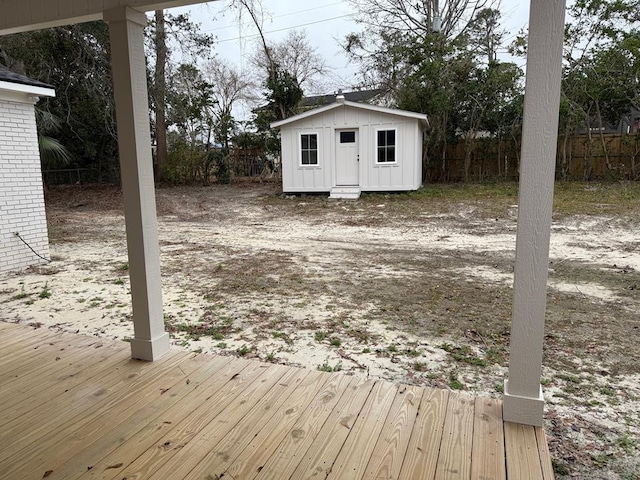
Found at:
<point>75,407</point>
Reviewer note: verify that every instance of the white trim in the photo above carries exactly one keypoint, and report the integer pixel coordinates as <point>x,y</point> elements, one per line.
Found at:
<point>299,153</point>
<point>27,15</point>
<point>28,89</point>
<point>396,147</point>
<point>524,410</point>
<point>362,106</point>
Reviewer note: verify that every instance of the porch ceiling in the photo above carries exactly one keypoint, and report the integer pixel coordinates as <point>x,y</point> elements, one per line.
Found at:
<point>24,15</point>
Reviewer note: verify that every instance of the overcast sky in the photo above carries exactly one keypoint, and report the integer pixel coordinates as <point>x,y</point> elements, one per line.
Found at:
<point>325,22</point>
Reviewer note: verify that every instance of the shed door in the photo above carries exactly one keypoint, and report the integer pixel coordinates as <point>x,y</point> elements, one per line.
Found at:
<point>347,157</point>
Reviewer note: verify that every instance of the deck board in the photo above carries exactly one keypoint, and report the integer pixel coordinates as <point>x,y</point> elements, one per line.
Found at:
<point>95,413</point>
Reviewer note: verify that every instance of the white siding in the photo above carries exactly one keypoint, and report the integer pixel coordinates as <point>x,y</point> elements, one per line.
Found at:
<point>21,196</point>
<point>405,174</point>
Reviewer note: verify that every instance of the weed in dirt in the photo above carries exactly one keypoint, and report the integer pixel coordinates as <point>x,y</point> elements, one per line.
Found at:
<point>413,353</point>
<point>559,468</point>
<point>494,356</point>
<point>45,292</point>
<point>222,345</point>
<point>20,295</point>
<point>608,390</point>
<point>320,335</point>
<point>336,342</point>
<point>244,350</point>
<point>499,387</point>
<point>454,383</point>
<point>326,367</point>
<point>366,350</point>
<point>393,348</point>
<point>118,281</point>
<point>271,357</point>
<point>464,354</point>
<point>569,378</point>
<point>627,443</point>
<point>198,350</point>
<point>420,367</point>
<point>124,267</point>
<point>284,337</point>
<point>210,326</point>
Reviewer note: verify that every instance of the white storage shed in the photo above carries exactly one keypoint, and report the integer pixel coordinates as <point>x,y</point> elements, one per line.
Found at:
<point>346,148</point>
<point>23,223</point>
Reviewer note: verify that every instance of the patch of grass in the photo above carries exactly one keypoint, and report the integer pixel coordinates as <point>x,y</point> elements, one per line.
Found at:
<point>221,345</point>
<point>198,350</point>
<point>607,390</point>
<point>454,383</point>
<point>320,335</point>
<point>45,292</point>
<point>464,354</point>
<point>366,350</point>
<point>283,336</point>
<point>494,356</point>
<point>559,468</point>
<point>410,352</point>
<point>271,357</point>
<point>627,443</point>
<point>243,350</point>
<point>336,342</point>
<point>393,348</point>
<point>325,367</point>
<point>594,198</point>
<point>124,267</point>
<point>217,329</point>
<point>499,387</point>
<point>569,378</point>
<point>420,367</point>
<point>118,281</point>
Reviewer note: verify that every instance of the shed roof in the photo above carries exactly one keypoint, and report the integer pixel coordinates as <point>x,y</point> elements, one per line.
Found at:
<point>362,106</point>
<point>356,96</point>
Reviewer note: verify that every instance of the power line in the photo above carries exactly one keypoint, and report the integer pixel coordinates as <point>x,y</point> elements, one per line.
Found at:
<point>277,16</point>
<point>286,28</point>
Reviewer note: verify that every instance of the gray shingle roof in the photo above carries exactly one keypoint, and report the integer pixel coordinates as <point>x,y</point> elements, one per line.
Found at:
<point>357,96</point>
<point>12,77</point>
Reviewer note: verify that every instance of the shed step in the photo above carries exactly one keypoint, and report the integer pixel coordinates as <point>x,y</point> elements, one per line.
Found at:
<point>345,193</point>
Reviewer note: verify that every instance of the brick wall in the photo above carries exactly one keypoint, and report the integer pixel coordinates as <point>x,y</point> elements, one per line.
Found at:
<point>21,194</point>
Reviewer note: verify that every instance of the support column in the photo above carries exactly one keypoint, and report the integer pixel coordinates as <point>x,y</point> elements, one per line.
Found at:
<point>126,26</point>
<point>523,401</point>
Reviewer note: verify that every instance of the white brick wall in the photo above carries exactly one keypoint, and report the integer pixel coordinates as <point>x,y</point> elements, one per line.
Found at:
<point>21,195</point>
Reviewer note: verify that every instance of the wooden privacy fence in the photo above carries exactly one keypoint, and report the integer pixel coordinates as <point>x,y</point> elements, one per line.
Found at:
<point>579,157</point>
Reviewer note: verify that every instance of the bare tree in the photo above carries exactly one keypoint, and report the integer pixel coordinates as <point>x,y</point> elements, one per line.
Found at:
<point>295,55</point>
<point>228,87</point>
<point>450,17</point>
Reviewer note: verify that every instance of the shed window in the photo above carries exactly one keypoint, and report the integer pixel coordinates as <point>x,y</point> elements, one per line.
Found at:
<point>309,148</point>
<point>347,137</point>
<point>386,146</point>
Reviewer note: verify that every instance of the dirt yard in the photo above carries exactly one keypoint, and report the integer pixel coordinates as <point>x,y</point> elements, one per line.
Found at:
<point>414,288</point>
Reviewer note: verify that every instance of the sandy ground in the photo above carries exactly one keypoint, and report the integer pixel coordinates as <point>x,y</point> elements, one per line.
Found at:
<point>391,287</point>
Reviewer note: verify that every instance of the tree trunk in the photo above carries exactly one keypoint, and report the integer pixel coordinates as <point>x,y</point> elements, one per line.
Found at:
<point>161,93</point>
<point>602,142</point>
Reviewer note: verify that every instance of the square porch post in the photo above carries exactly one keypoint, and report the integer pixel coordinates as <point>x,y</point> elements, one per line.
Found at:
<point>126,26</point>
<point>523,401</point>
